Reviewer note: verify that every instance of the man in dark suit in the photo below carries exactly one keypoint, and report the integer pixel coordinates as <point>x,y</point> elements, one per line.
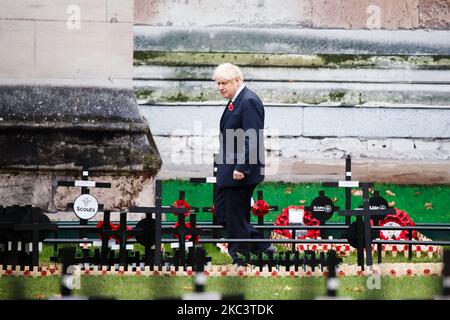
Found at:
<point>241,159</point>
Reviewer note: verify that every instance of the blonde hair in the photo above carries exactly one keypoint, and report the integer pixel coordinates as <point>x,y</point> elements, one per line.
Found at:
<point>227,71</point>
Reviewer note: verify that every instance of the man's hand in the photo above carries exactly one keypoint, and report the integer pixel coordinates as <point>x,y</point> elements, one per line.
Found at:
<point>237,175</point>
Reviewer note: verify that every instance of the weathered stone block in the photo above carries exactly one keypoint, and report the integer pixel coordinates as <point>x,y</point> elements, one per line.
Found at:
<point>124,192</point>
<point>69,107</point>
<point>291,41</point>
<point>434,14</point>
<point>40,189</point>
<point>366,14</point>
<point>65,53</point>
<point>17,52</point>
<point>344,145</point>
<point>56,10</point>
<point>224,13</point>
<point>121,52</point>
<point>120,11</point>
<point>190,120</point>
<point>373,123</point>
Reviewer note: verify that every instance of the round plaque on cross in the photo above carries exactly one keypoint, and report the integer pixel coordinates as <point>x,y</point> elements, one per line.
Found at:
<point>85,206</point>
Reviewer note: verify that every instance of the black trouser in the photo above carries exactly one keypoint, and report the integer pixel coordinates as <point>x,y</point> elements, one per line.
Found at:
<point>233,209</point>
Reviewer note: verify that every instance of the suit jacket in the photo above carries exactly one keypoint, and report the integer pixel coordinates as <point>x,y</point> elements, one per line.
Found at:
<point>242,141</point>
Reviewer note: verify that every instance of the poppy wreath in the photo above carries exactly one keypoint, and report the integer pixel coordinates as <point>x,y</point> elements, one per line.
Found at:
<point>260,208</point>
<point>183,204</point>
<point>399,219</point>
<point>187,237</point>
<point>308,219</point>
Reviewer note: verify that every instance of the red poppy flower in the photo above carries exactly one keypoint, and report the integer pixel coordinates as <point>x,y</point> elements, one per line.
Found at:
<point>230,106</point>
<point>260,208</point>
<point>183,204</point>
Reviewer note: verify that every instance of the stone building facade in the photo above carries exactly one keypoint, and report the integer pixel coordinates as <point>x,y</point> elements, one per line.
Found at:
<point>367,78</point>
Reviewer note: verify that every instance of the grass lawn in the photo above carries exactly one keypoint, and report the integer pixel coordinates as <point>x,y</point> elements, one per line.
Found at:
<point>149,288</point>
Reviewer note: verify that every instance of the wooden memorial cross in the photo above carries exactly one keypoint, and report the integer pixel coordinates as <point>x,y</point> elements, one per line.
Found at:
<point>122,233</point>
<point>260,195</point>
<point>157,210</point>
<point>39,230</point>
<point>5,225</point>
<point>212,180</point>
<point>348,184</point>
<point>85,184</point>
<point>364,236</point>
<point>182,196</point>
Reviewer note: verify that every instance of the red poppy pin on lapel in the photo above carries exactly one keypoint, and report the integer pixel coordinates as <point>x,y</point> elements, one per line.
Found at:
<point>230,106</point>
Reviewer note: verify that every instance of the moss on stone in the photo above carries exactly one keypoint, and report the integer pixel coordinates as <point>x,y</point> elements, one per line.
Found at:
<point>336,95</point>
<point>212,59</point>
<point>286,60</point>
<point>152,162</point>
<point>143,93</point>
<point>345,60</point>
<point>178,98</point>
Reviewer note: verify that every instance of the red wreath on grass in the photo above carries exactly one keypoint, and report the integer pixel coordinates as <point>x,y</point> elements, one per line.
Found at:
<point>308,219</point>
<point>181,203</point>
<point>186,237</point>
<point>400,218</point>
<point>260,208</point>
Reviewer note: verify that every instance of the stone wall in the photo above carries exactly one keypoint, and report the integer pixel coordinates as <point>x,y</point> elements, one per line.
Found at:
<point>381,96</point>
<point>316,14</point>
<point>306,143</point>
<point>366,78</point>
<point>66,99</point>
<point>65,42</point>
